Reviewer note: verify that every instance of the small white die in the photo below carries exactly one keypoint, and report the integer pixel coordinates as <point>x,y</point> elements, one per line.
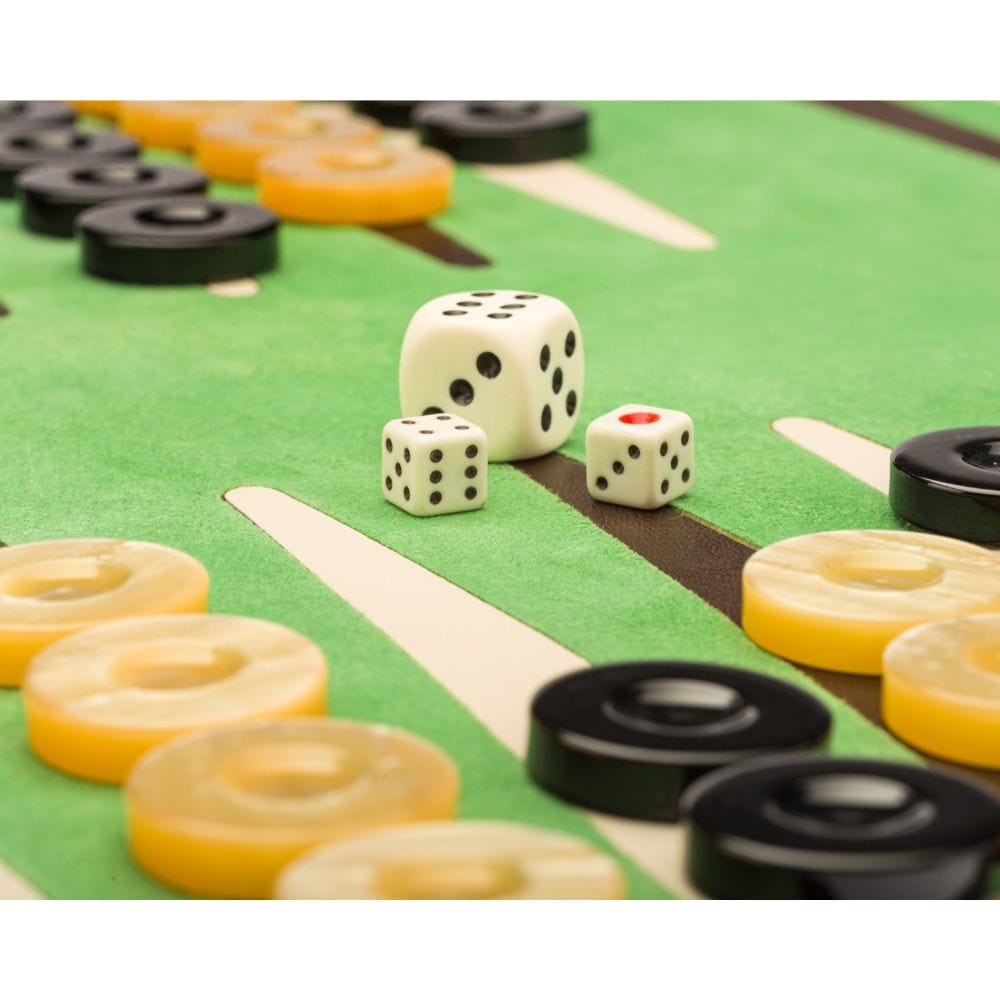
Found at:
<point>640,456</point>
<point>434,464</point>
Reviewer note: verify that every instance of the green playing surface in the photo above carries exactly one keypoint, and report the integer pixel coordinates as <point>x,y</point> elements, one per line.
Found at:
<point>855,281</point>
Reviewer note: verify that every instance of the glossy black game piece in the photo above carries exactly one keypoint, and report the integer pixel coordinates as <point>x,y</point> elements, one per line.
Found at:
<point>948,482</point>
<point>52,197</point>
<point>392,114</point>
<point>503,131</point>
<point>178,241</point>
<point>805,826</point>
<point>24,148</point>
<point>32,114</point>
<point>628,738</point>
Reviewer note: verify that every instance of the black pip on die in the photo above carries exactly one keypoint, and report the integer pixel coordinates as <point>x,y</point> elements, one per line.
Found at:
<point>640,456</point>
<point>510,361</point>
<point>434,464</point>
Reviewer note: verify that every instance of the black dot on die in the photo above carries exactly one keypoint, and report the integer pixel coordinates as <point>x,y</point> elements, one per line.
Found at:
<point>437,455</point>
<point>444,416</point>
<point>455,312</point>
<point>664,448</point>
<point>686,475</point>
<point>388,444</point>
<point>470,493</point>
<point>618,468</point>
<point>482,295</point>
<point>633,451</point>
<point>414,421</point>
<point>664,486</point>
<point>601,483</point>
<point>570,344</point>
<point>525,295</point>
<point>571,404</point>
<point>436,476</point>
<point>546,417</point>
<point>513,305</point>
<point>425,431</point>
<point>399,469</point>
<point>673,462</point>
<point>488,364</point>
<point>470,305</point>
<point>435,498</point>
<point>470,472</point>
<point>498,315</point>
<point>557,380</point>
<point>406,454</point>
<point>427,413</point>
<point>685,437</point>
<point>461,427</point>
<point>406,492</point>
<point>543,358</point>
<point>388,482</point>
<point>461,392</point>
<point>471,451</point>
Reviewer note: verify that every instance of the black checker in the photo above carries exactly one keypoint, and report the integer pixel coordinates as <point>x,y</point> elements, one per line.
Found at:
<point>177,241</point>
<point>392,114</point>
<point>628,738</point>
<point>52,197</point>
<point>33,147</point>
<point>948,482</point>
<point>35,114</point>
<point>803,826</point>
<point>504,131</point>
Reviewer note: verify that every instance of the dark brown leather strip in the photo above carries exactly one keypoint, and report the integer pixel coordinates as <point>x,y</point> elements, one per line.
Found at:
<point>428,240</point>
<point>917,121</point>
<point>707,561</point>
<point>4,311</point>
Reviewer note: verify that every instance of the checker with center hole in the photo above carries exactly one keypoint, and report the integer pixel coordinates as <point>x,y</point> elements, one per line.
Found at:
<point>31,114</point>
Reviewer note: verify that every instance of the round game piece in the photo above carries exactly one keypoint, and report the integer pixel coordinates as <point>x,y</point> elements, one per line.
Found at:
<point>221,812</point>
<point>33,147</point>
<point>35,114</point>
<point>835,599</point>
<point>392,114</point>
<point>949,482</point>
<point>178,241</point>
<point>53,196</point>
<point>805,826</point>
<point>504,131</point>
<point>356,185</point>
<point>231,149</point>
<point>463,860</point>
<point>99,699</point>
<point>941,689</point>
<point>109,110</point>
<point>174,124</point>
<point>630,737</point>
<point>49,590</point>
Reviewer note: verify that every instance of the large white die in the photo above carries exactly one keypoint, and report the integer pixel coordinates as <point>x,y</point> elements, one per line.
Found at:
<point>640,456</point>
<point>434,464</point>
<point>511,361</point>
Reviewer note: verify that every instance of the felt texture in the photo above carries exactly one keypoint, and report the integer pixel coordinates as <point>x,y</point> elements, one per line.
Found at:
<point>855,281</point>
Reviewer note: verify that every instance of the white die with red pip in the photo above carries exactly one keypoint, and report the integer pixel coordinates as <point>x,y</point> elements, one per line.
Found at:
<point>640,456</point>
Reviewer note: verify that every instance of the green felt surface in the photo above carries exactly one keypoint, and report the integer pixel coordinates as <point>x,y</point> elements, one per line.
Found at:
<point>855,281</point>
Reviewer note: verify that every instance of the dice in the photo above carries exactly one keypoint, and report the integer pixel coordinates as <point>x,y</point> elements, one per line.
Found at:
<point>434,464</point>
<point>511,361</point>
<point>640,456</point>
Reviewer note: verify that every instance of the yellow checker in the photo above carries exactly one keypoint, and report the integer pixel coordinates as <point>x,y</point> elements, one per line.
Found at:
<point>231,149</point>
<point>466,860</point>
<point>221,812</point>
<point>49,590</point>
<point>109,110</point>
<point>96,701</point>
<point>835,599</point>
<point>174,124</point>
<point>941,689</point>
<point>356,185</point>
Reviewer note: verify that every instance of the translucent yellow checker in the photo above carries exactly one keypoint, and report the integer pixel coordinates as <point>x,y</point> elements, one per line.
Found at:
<point>109,110</point>
<point>97,700</point>
<point>230,149</point>
<point>174,124</point>
<point>835,599</point>
<point>356,185</point>
<point>221,812</point>
<point>466,860</point>
<point>49,590</point>
<point>941,689</point>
